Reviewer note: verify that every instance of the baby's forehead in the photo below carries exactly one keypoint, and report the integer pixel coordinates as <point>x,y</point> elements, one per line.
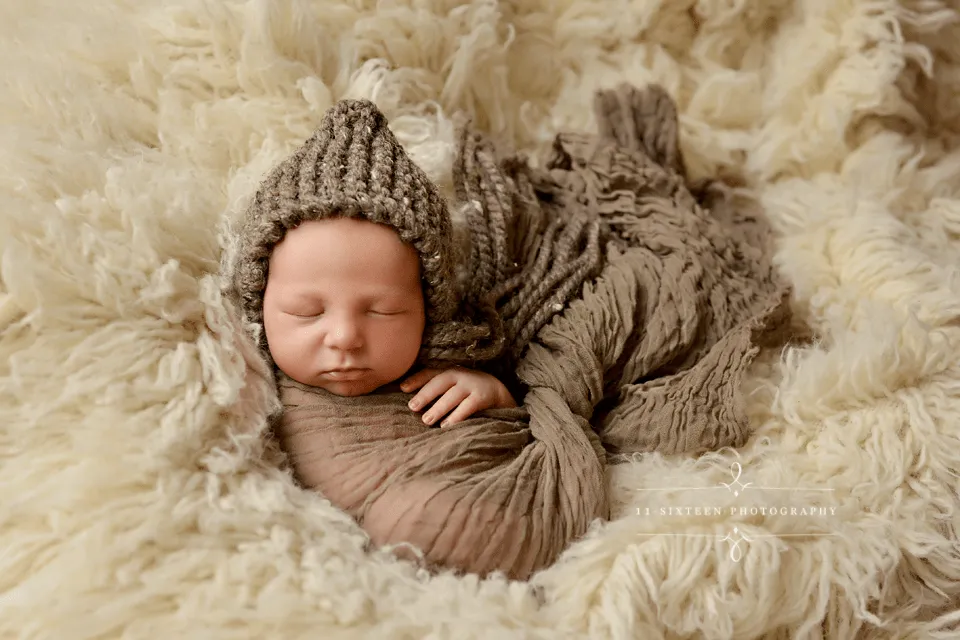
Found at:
<point>362,253</point>
<point>337,286</point>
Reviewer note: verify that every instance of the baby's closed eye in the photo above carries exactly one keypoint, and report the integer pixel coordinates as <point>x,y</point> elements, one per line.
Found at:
<point>306,313</point>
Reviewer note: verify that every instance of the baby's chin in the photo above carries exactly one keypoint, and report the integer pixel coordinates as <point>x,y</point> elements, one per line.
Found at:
<point>368,381</point>
<point>347,388</point>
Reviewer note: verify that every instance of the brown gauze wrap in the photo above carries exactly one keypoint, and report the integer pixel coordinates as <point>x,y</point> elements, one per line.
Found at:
<point>630,309</point>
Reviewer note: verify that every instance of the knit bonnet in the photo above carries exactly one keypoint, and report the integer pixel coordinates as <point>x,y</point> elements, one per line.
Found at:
<point>353,166</point>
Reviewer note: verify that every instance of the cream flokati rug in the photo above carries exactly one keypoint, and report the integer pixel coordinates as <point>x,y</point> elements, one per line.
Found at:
<point>139,496</point>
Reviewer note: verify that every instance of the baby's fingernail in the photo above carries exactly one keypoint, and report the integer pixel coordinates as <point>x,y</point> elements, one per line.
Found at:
<point>414,405</point>
<point>445,423</point>
<point>428,419</point>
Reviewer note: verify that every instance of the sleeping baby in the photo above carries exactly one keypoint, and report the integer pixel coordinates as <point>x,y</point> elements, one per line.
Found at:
<point>346,270</point>
<point>618,312</point>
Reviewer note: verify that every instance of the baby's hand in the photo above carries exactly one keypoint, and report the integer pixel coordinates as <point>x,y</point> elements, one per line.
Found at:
<point>463,390</point>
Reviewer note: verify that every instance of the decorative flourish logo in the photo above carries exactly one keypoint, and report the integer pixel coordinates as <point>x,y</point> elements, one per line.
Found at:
<point>735,467</point>
<point>735,553</point>
<point>736,538</point>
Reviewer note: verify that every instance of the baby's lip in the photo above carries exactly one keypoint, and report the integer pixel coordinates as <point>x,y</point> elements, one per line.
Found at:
<point>345,373</point>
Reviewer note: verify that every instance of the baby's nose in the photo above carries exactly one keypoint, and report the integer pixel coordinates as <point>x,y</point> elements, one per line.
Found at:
<point>344,334</point>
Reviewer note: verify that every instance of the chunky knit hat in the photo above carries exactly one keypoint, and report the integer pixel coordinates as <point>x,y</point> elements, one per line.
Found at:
<point>353,166</point>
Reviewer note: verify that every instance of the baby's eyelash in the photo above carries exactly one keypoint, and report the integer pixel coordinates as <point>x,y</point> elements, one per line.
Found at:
<point>316,314</point>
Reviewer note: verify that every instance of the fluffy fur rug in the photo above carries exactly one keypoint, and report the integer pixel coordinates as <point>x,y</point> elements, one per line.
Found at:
<point>140,497</point>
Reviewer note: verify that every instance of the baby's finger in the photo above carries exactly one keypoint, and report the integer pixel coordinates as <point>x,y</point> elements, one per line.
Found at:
<point>453,397</point>
<point>463,411</point>
<point>419,379</point>
<point>432,389</point>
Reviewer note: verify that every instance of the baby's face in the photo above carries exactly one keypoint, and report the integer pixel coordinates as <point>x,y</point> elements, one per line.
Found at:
<point>343,309</point>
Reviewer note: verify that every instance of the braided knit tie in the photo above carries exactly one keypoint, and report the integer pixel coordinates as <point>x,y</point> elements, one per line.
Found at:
<point>525,264</point>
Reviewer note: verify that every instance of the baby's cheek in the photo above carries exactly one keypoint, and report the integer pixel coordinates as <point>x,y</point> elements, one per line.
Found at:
<point>400,345</point>
<point>292,353</point>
